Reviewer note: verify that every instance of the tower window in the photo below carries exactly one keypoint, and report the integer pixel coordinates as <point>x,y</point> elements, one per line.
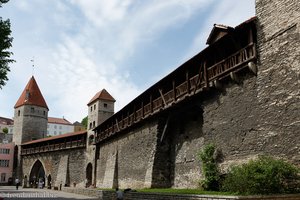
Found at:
<point>105,105</point>
<point>91,108</point>
<point>44,113</point>
<point>94,123</point>
<point>32,110</point>
<point>19,112</point>
<point>90,125</point>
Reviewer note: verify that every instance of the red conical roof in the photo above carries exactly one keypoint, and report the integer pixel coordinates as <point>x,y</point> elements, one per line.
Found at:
<point>31,95</point>
<point>102,95</point>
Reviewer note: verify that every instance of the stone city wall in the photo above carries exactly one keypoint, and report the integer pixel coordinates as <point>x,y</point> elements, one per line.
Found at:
<point>65,167</point>
<point>127,161</point>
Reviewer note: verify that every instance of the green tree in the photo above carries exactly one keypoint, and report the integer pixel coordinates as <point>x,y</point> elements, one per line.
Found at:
<point>210,168</point>
<point>5,130</point>
<point>5,44</point>
<point>84,122</point>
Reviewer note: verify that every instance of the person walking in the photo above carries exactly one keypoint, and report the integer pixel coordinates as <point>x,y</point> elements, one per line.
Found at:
<point>17,181</point>
<point>119,194</point>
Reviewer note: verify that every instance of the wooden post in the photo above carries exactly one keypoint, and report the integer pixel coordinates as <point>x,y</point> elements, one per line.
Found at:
<point>117,124</point>
<point>250,37</point>
<point>151,104</point>
<point>134,113</point>
<point>162,96</point>
<point>143,112</point>
<point>174,91</point>
<point>128,118</point>
<point>205,75</point>
<point>188,82</point>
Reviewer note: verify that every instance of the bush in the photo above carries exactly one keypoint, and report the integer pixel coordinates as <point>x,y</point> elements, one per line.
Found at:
<point>265,175</point>
<point>209,168</point>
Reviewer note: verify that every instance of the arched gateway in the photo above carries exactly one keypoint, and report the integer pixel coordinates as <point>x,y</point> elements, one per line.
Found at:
<point>37,175</point>
<point>89,170</point>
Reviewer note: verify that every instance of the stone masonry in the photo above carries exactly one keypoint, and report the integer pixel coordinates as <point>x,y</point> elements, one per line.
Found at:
<point>253,114</point>
<point>65,167</point>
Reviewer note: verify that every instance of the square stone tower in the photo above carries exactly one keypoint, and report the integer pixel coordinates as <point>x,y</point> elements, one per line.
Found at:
<point>278,35</point>
<point>100,108</point>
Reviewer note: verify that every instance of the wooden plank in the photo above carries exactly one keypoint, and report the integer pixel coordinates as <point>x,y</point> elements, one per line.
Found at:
<point>162,96</point>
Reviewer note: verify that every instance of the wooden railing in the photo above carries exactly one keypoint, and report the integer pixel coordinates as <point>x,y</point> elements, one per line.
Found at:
<point>189,87</point>
<point>53,147</point>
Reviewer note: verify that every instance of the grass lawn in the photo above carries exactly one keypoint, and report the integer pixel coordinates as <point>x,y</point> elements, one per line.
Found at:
<point>183,191</point>
<point>174,191</point>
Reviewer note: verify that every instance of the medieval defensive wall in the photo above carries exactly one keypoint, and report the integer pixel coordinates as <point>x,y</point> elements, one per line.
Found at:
<point>241,93</point>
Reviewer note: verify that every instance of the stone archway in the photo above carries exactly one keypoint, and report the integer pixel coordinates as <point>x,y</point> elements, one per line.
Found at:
<point>89,175</point>
<point>37,174</point>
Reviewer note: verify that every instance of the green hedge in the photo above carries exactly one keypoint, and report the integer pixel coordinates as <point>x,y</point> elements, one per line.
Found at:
<point>265,175</point>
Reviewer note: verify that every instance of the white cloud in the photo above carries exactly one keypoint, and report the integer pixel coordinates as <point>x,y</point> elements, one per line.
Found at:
<point>227,12</point>
<point>80,46</point>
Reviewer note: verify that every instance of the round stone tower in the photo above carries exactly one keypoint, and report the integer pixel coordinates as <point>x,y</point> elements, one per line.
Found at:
<point>31,114</point>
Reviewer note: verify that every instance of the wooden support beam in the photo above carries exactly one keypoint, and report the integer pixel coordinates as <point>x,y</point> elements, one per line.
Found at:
<point>165,129</point>
<point>205,75</point>
<point>199,77</point>
<point>162,97</point>
<point>187,77</point>
<point>128,118</point>
<point>250,36</point>
<point>151,104</point>
<point>117,124</point>
<point>174,90</point>
<point>134,113</point>
<point>143,111</point>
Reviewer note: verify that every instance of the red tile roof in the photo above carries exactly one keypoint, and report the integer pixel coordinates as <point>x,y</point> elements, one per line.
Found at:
<point>31,95</point>
<point>55,120</point>
<point>56,137</point>
<point>6,121</point>
<point>102,95</point>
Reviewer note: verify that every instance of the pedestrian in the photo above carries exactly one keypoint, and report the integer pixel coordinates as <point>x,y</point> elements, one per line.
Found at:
<point>86,183</point>
<point>119,194</point>
<point>17,181</point>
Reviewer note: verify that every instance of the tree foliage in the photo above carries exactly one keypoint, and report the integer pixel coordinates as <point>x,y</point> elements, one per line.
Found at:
<point>209,168</point>
<point>5,44</point>
<point>84,122</point>
<point>5,130</point>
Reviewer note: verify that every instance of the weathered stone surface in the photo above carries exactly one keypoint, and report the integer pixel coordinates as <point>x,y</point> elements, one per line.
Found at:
<point>127,158</point>
<point>29,125</point>
<point>257,115</point>
<point>65,167</point>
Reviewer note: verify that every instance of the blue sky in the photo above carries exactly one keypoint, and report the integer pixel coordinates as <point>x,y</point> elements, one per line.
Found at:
<point>125,46</point>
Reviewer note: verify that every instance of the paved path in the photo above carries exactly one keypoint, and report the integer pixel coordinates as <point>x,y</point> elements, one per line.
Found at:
<point>10,192</point>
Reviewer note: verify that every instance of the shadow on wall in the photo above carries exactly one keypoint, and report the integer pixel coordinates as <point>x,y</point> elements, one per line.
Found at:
<point>175,129</point>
